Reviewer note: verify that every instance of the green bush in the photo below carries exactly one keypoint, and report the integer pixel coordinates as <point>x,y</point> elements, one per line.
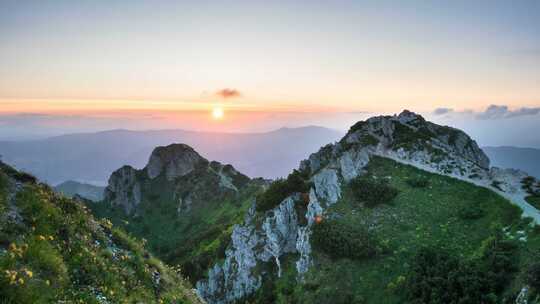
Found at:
<point>418,182</point>
<point>280,189</point>
<point>437,276</point>
<point>470,212</point>
<point>527,183</point>
<point>533,276</point>
<point>342,240</point>
<point>372,192</point>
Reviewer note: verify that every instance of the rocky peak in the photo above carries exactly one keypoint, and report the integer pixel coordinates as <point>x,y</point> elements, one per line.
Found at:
<point>407,117</point>
<point>174,160</point>
<point>410,133</point>
<point>124,189</point>
<point>189,180</point>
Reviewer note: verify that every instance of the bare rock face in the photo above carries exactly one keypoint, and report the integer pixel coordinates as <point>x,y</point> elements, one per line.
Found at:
<point>124,189</point>
<point>175,160</point>
<point>185,177</point>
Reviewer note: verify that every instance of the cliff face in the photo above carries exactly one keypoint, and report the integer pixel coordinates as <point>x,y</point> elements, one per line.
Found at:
<point>124,189</point>
<point>183,175</point>
<point>406,138</point>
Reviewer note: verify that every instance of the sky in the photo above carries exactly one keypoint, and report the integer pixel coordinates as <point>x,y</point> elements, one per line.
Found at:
<point>71,66</point>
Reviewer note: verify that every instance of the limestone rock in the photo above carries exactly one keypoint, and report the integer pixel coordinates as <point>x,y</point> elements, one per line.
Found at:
<point>124,189</point>
<point>327,185</point>
<point>175,160</point>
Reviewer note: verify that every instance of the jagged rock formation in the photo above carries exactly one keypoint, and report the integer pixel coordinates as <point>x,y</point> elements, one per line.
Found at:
<point>407,138</point>
<point>188,178</point>
<point>175,160</point>
<point>124,189</point>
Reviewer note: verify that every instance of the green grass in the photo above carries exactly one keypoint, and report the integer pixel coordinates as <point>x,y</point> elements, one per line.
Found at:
<point>195,239</point>
<point>418,217</point>
<point>56,252</point>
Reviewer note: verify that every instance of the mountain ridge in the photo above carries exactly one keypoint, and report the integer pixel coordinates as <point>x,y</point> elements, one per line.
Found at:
<point>279,232</point>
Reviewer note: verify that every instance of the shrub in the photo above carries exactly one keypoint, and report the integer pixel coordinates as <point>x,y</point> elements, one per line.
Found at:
<point>527,184</point>
<point>342,240</point>
<point>470,212</point>
<point>372,192</point>
<point>437,276</point>
<point>497,185</point>
<point>533,276</point>
<point>280,189</point>
<point>368,140</point>
<point>418,182</point>
<point>357,126</point>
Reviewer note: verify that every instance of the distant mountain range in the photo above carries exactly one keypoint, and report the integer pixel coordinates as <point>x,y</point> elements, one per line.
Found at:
<point>92,157</point>
<point>71,188</point>
<point>526,159</point>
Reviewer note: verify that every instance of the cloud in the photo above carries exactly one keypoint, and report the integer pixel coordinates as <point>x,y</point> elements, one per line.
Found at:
<point>442,111</point>
<point>502,111</point>
<point>490,113</point>
<point>228,93</point>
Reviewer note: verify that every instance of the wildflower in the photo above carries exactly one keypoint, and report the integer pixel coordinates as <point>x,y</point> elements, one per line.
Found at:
<point>21,281</point>
<point>28,273</point>
<point>51,237</point>
<point>41,238</point>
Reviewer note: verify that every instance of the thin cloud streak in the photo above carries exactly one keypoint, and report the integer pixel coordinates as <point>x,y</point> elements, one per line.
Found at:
<point>228,93</point>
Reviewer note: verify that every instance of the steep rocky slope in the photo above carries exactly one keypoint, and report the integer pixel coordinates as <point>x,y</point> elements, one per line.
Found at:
<point>53,251</point>
<point>183,204</point>
<point>272,252</point>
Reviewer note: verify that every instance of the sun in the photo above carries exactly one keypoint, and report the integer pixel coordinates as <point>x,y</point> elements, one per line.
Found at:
<point>217,113</point>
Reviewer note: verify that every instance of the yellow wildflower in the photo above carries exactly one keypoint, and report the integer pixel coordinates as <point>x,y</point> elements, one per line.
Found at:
<point>51,237</point>
<point>28,273</point>
<point>41,238</point>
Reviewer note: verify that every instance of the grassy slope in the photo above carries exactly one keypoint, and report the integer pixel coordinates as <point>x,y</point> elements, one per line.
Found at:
<point>57,252</point>
<point>416,217</point>
<point>194,240</point>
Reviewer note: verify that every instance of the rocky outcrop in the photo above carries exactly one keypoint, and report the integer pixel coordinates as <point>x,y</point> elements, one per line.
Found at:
<point>523,296</point>
<point>235,278</point>
<point>174,160</point>
<point>186,178</point>
<point>124,189</point>
<point>280,230</point>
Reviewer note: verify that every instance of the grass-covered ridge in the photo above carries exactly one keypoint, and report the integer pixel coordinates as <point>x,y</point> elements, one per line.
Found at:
<point>52,250</point>
<point>471,227</point>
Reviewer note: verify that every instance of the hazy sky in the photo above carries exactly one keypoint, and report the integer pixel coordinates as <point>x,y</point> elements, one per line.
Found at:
<point>335,58</point>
